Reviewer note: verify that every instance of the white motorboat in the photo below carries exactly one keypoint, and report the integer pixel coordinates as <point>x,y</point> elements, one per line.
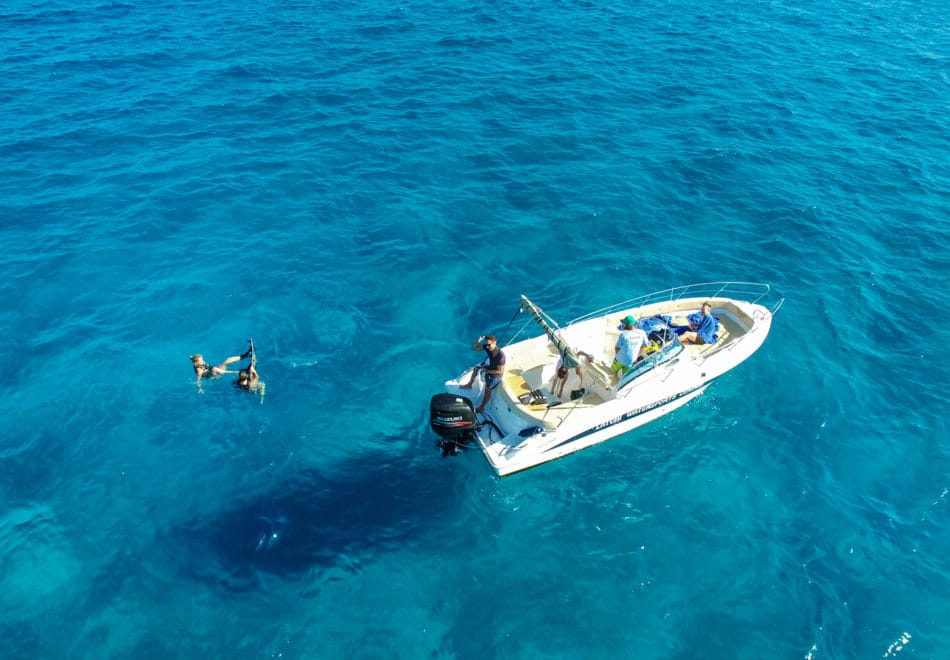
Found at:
<point>525,423</point>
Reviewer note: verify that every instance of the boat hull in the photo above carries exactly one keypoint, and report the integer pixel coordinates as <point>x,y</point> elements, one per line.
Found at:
<point>507,460</point>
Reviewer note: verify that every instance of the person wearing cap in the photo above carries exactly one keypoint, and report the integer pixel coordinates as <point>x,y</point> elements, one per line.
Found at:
<point>629,347</point>
<point>493,366</point>
<point>703,327</point>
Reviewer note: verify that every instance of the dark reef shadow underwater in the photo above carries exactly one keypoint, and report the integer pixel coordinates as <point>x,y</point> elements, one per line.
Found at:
<point>315,520</point>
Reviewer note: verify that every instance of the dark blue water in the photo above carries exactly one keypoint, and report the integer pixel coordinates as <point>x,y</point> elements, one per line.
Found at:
<point>365,187</point>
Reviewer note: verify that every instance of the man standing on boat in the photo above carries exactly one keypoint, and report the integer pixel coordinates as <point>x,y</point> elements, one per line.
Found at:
<point>629,346</point>
<point>493,367</point>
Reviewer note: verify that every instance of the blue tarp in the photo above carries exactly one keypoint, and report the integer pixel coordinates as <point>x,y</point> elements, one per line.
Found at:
<point>652,323</point>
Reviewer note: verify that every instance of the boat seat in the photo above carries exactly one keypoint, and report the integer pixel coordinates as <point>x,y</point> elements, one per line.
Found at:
<point>725,332</point>
<point>514,383</point>
<point>601,374</point>
<point>722,335</point>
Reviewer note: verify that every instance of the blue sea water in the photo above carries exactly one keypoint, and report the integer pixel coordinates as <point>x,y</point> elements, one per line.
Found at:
<point>363,187</point>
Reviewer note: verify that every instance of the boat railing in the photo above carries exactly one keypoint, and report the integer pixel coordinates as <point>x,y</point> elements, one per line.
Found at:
<point>753,292</point>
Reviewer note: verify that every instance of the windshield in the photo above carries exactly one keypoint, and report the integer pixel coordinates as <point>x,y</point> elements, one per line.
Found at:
<point>662,346</point>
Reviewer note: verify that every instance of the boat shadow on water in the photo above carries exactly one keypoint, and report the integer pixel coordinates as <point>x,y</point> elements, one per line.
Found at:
<point>315,520</point>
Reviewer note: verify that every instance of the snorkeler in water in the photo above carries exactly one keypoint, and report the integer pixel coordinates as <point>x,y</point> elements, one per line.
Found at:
<point>205,370</point>
<point>248,379</point>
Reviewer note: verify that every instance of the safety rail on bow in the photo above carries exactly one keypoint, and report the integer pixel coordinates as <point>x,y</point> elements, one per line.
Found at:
<point>753,292</point>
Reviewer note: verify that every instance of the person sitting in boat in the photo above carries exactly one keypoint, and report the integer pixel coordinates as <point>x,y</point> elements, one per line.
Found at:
<point>629,347</point>
<point>493,367</point>
<point>560,375</point>
<point>703,327</point>
<point>205,370</point>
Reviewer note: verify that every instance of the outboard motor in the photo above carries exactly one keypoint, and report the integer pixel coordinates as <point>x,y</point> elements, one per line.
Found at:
<point>452,417</point>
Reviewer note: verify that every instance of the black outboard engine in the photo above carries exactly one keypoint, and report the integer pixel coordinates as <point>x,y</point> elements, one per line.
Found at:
<point>452,417</point>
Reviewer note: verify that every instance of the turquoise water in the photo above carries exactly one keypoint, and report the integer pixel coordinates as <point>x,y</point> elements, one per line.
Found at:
<point>365,187</point>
